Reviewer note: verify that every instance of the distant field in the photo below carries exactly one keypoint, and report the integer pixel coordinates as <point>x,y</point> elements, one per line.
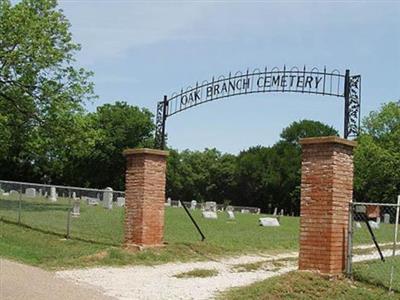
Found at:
<point>98,230</point>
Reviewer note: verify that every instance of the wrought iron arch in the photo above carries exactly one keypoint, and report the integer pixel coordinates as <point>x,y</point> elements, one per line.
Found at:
<point>312,81</point>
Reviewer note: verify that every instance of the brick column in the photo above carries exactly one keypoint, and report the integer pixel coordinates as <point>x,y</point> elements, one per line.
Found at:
<point>144,197</point>
<point>326,191</point>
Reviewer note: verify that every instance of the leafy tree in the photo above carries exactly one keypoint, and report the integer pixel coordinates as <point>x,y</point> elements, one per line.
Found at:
<point>377,156</point>
<point>118,126</point>
<point>41,91</point>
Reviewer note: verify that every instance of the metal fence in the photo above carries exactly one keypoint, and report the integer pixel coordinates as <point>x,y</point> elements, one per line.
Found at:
<point>373,248</point>
<point>71,212</point>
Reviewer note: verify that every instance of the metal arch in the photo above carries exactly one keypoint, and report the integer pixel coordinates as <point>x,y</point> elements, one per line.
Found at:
<point>312,81</point>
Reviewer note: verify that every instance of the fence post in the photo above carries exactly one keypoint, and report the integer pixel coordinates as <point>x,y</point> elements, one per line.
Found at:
<point>350,242</point>
<point>20,204</point>
<point>69,217</point>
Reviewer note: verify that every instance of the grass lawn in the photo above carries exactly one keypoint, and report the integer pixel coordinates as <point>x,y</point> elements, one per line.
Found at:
<point>378,273</point>
<point>304,285</point>
<point>96,236</point>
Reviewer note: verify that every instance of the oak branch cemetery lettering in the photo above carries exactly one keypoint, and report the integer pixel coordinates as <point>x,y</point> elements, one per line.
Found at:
<point>243,85</point>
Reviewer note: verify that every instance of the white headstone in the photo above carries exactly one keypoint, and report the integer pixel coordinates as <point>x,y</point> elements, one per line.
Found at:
<point>374,225</point>
<point>244,211</point>
<point>231,215</point>
<point>386,218</point>
<point>92,201</point>
<point>53,195</point>
<point>275,211</point>
<point>211,206</point>
<point>76,209</point>
<point>107,198</point>
<point>168,203</point>
<point>282,212</point>
<point>193,204</point>
<point>30,192</point>
<point>258,211</point>
<point>73,195</point>
<point>1,192</point>
<point>120,201</point>
<point>230,208</point>
<point>14,193</point>
<point>269,222</point>
<point>210,215</point>
<point>358,225</point>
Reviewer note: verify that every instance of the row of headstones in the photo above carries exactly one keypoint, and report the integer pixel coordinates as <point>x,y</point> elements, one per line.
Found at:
<point>31,193</point>
<point>375,224</point>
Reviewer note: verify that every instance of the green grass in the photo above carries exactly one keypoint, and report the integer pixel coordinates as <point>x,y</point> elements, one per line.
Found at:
<point>199,273</point>
<point>304,285</point>
<point>378,272</point>
<point>96,236</point>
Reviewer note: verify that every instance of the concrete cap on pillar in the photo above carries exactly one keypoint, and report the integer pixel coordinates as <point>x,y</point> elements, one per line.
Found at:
<point>149,151</point>
<point>327,140</point>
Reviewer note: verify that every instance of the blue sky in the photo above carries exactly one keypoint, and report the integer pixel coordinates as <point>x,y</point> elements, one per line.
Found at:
<point>141,50</point>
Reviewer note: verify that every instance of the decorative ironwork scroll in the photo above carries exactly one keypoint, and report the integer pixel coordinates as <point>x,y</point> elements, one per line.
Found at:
<point>312,81</point>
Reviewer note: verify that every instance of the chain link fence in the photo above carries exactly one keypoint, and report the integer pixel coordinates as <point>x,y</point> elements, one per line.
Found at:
<point>94,215</point>
<point>374,254</point>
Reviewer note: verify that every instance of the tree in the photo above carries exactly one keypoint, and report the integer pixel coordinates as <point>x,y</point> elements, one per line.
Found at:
<point>119,126</point>
<point>41,91</point>
<point>377,156</point>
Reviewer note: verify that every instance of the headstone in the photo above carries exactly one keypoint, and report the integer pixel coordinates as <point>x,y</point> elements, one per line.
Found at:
<point>45,194</point>
<point>244,211</point>
<point>374,225</point>
<point>107,198</point>
<point>275,211</point>
<point>269,222</point>
<point>76,209</point>
<point>120,201</point>
<point>1,192</point>
<point>193,204</point>
<point>378,220</point>
<point>30,192</point>
<point>231,215</point>
<point>230,208</point>
<point>211,206</point>
<point>179,203</point>
<point>53,195</point>
<point>73,195</point>
<point>358,225</point>
<point>282,212</point>
<point>168,203</point>
<point>40,192</point>
<point>14,193</point>
<point>209,215</point>
<point>386,218</point>
<point>92,201</point>
<point>258,211</point>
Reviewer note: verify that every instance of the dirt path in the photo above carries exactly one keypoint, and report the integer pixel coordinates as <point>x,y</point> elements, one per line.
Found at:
<point>18,281</point>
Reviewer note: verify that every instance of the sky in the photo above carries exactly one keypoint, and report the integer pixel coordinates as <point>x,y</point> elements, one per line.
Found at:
<point>142,50</point>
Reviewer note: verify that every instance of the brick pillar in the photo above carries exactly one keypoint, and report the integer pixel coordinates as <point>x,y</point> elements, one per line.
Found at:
<point>326,191</point>
<point>144,197</point>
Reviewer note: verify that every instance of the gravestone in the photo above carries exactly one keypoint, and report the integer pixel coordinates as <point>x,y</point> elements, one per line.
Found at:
<point>258,211</point>
<point>231,215</point>
<point>53,195</point>
<point>209,215</point>
<point>40,192</point>
<point>282,212</point>
<point>374,225</point>
<point>386,218</point>
<point>14,193</point>
<point>107,198</point>
<point>76,209</point>
<point>269,222</point>
<point>92,201</point>
<point>378,220</point>
<point>179,203</point>
<point>30,192</point>
<point>193,204</point>
<point>358,225</point>
<point>120,201</point>
<point>275,211</point>
<point>73,195</point>
<point>211,206</point>
<point>1,192</point>
<point>168,203</point>
<point>230,208</point>
<point>244,211</point>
